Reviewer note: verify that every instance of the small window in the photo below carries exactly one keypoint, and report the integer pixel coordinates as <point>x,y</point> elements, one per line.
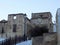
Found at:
<point>41,15</point>
<point>14,17</point>
<point>14,27</point>
<point>2,30</point>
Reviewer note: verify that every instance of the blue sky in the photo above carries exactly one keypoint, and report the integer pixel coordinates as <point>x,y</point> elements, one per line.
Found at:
<point>28,7</point>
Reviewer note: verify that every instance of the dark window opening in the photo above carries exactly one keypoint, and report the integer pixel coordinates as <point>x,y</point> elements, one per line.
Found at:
<point>2,30</point>
<point>14,27</point>
<point>38,31</point>
<point>45,17</point>
<point>41,16</point>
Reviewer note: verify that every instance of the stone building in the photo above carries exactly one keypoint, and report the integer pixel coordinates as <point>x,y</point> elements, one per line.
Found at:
<point>18,24</point>
<point>42,33</point>
<point>43,19</point>
<point>46,39</point>
<point>15,25</point>
<point>3,28</point>
<point>34,28</point>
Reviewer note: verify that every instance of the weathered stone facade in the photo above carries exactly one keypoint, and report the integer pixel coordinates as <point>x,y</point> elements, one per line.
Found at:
<point>43,19</point>
<point>20,25</point>
<point>14,26</point>
<point>46,39</point>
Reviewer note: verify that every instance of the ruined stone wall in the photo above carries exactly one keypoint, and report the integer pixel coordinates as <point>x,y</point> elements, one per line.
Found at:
<point>50,38</point>
<point>19,21</point>
<point>3,28</point>
<point>14,20</point>
<point>42,19</point>
<point>46,39</point>
<point>37,40</point>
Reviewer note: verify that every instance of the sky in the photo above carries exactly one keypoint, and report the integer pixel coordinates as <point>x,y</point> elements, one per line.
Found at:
<point>28,7</point>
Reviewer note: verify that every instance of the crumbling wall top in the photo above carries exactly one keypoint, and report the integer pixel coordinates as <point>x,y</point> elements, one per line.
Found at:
<point>17,14</point>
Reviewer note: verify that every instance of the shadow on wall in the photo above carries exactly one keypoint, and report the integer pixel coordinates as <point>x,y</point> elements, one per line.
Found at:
<point>38,31</point>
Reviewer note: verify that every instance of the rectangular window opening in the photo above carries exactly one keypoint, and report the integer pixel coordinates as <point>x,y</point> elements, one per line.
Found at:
<point>14,27</point>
